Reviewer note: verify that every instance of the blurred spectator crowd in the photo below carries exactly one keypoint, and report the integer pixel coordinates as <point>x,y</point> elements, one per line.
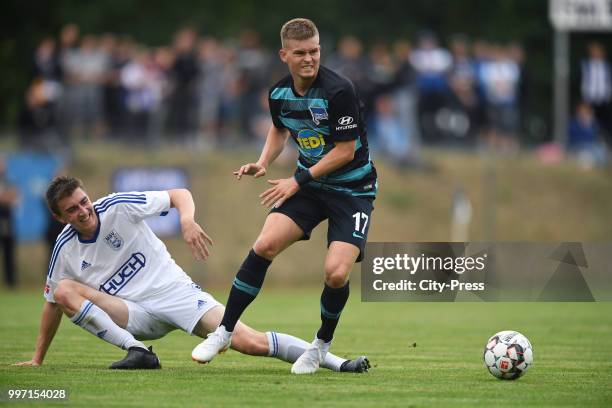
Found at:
<point>202,91</point>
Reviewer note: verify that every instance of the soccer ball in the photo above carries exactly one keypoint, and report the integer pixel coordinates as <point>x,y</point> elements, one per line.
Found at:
<point>508,354</point>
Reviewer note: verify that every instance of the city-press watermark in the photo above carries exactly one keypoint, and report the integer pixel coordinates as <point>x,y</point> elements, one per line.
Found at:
<point>502,271</point>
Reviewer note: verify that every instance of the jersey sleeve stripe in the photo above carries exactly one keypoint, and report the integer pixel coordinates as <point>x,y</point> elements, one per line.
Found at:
<point>106,206</point>
<point>102,210</point>
<point>65,232</point>
<point>61,237</point>
<point>120,195</point>
<point>108,198</point>
<point>56,250</point>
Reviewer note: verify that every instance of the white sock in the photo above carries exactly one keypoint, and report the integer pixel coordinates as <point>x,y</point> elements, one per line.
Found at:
<point>98,322</point>
<point>288,348</point>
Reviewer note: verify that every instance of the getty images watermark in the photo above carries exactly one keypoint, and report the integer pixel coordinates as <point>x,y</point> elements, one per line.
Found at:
<point>508,271</point>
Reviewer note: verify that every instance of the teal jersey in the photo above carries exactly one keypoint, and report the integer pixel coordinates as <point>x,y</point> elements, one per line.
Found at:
<point>329,112</point>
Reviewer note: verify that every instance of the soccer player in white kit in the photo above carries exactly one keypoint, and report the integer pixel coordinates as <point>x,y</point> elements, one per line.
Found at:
<point>112,276</point>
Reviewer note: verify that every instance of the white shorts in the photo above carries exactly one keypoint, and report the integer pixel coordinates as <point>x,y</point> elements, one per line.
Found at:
<point>180,306</point>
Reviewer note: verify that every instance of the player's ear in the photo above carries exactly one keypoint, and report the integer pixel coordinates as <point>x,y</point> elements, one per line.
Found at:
<point>282,53</point>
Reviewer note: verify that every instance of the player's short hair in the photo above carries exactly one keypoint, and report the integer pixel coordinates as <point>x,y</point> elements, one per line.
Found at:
<point>59,188</point>
<point>298,29</point>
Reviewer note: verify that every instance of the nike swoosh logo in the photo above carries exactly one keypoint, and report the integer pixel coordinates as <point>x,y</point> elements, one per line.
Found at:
<point>284,112</point>
<point>356,235</point>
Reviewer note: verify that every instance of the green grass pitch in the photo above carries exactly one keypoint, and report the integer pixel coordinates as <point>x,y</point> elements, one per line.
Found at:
<point>423,355</point>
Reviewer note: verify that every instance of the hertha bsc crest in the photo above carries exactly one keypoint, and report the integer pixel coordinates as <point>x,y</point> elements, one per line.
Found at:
<point>318,114</point>
<point>114,240</point>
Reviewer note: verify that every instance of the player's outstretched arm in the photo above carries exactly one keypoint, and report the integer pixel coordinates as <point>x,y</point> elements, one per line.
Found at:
<point>193,234</point>
<point>49,322</point>
<point>275,143</point>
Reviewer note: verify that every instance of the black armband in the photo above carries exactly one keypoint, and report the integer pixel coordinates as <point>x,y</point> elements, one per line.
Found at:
<point>303,177</point>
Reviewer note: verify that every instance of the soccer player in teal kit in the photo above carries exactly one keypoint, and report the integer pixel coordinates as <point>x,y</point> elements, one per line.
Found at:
<point>335,180</point>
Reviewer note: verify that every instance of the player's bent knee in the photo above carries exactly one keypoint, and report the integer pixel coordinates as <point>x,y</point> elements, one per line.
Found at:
<point>64,292</point>
<point>336,281</point>
<point>336,274</point>
<point>265,248</point>
<point>336,277</point>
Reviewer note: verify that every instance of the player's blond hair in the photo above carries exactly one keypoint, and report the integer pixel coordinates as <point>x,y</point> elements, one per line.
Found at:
<point>298,29</point>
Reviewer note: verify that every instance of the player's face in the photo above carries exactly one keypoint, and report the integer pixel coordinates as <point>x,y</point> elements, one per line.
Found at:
<point>302,57</point>
<point>77,210</point>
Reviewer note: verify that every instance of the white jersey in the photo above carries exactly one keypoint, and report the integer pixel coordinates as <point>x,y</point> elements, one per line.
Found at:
<point>124,258</point>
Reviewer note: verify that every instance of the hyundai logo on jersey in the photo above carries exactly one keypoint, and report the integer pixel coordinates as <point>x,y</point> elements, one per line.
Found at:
<point>311,143</point>
<point>124,274</point>
<point>345,120</point>
<point>346,123</point>
<point>318,114</point>
<point>114,240</point>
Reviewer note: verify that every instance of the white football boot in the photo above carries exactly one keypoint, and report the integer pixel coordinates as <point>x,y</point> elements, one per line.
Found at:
<point>312,357</point>
<point>216,342</point>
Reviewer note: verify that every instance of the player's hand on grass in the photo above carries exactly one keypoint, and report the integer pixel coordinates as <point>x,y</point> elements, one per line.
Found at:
<point>252,169</point>
<point>282,189</point>
<point>196,238</point>
<point>30,363</point>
